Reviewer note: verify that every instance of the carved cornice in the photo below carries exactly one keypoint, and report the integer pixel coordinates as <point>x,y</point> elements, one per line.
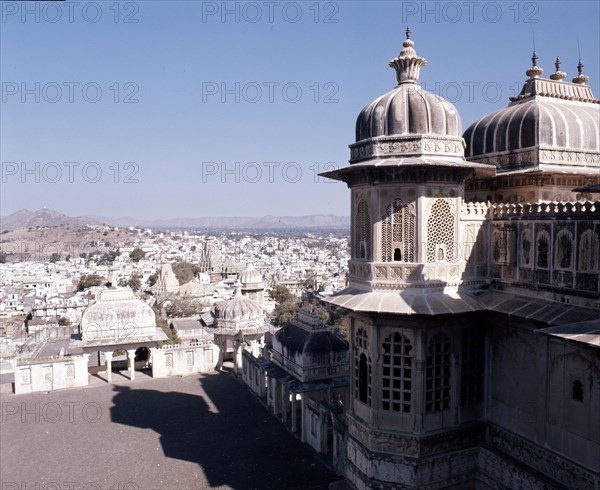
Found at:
<point>405,146</point>
<point>396,443</point>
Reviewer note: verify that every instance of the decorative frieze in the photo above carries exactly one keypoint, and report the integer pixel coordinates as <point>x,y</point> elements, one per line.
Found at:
<point>402,146</point>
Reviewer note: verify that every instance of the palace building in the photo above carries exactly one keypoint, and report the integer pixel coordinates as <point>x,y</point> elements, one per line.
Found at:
<point>473,289</point>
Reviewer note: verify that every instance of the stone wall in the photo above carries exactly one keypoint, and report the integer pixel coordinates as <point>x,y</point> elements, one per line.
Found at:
<point>52,374</point>
<point>183,359</point>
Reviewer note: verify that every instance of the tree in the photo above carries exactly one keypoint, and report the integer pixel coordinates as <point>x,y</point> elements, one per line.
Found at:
<point>55,257</point>
<point>137,254</point>
<point>185,271</point>
<point>152,279</point>
<point>280,294</point>
<point>88,281</point>
<point>287,305</point>
<point>135,281</point>
<point>161,323</point>
<point>3,258</point>
<point>183,307</point>
<point>63,321</point>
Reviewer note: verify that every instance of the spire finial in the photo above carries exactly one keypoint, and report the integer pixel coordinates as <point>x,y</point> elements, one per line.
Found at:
<point>407,64</point>
<point>580,78</point>
<point>535,71</point>
<point>558,75</point>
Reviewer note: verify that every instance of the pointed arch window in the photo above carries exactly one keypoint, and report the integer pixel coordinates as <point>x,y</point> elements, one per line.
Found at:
<point>362,231</point>
<point>440,232</point>
<point>362,368</point>
<point>564,250</point>
<point>398,233</point>
<point>542,250</point>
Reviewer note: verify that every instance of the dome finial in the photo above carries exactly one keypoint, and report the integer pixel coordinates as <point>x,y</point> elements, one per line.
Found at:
<point>407,64</point>
<point>558,75</point>
<point>535,71</point>
<point>580,78</point>
<point>238,289</point>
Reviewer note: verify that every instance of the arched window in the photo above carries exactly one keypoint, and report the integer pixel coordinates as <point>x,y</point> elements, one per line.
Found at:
<point>397,374</point>
<point>397,233</point>
<point>362,368</point>
<point>362,232</point>
<point>589,251</point>
<point>577,390</point>
<point>526,248</point>
<point>437,376</point>
<point>564,250</point>
<point>542,250</point>
<point>440,232</point>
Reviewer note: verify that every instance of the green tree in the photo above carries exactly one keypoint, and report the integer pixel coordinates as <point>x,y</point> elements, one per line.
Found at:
<point>280,294</point>
<point>287,305</point>
<point>55,257</point>
<point>185,271</point>
<point>152,279</point>
<point>63,321</point>
<point>161,323</point>
<point>137,254</point>
<point>135,281</point>
<point>88,281</point>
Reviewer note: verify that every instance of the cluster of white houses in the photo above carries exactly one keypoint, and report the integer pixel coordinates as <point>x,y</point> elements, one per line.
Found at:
<point>474,296</point>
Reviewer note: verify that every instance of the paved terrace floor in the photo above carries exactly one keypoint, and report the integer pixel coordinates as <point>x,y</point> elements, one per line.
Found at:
<point>195,432</point>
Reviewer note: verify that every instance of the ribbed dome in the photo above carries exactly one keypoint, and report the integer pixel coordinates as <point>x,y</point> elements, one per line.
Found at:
<point>251,277</point>
<point>117,314</point>
<point>409,122</point>
<point>238,309</point>
<point>408,109</point>
<point>550,122</point>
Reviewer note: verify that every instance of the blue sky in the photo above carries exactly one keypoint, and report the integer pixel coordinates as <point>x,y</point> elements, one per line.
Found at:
<point>159,109</point>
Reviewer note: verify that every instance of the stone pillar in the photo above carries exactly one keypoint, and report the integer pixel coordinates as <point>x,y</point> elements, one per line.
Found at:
<point>237,359</point>
<point>294,414</point>
<point>131,359</point>
<point>108,357</point>
<point>303,418</point>
<point>221,346</point>
<point>269,390</point>
<point>454,387</point>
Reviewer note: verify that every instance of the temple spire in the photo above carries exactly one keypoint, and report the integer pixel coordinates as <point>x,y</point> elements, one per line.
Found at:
<point>580,78</point>
<point>535,71</point>
<point>558,75</point>
<point>407,64</point>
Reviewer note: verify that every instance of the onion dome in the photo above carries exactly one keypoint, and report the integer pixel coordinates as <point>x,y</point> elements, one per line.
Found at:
<point>552,125</point>
<point>251,278</point>
<point>238,310</point>
<point>117,314</point>
<point>408,120</point>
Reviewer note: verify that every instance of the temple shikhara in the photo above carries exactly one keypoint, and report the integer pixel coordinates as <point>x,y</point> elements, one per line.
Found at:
<point>473,354</point>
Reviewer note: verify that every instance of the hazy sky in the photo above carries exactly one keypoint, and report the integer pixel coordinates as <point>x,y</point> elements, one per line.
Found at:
<point>180,109</point>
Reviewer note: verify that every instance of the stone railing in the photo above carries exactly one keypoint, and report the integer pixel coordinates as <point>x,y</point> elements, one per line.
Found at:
<point>550,210</point>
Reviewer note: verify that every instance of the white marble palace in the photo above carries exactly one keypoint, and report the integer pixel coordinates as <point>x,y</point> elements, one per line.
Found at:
<point>473,289</point>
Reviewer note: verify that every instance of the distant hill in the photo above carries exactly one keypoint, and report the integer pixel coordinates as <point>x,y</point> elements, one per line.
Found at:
<point>245,222</point>
<point>24,219</point>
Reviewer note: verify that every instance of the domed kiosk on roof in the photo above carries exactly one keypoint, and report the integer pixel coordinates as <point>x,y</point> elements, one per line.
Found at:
<point>239,322</point>
<point>550,131</point>
<point>253,286</point>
